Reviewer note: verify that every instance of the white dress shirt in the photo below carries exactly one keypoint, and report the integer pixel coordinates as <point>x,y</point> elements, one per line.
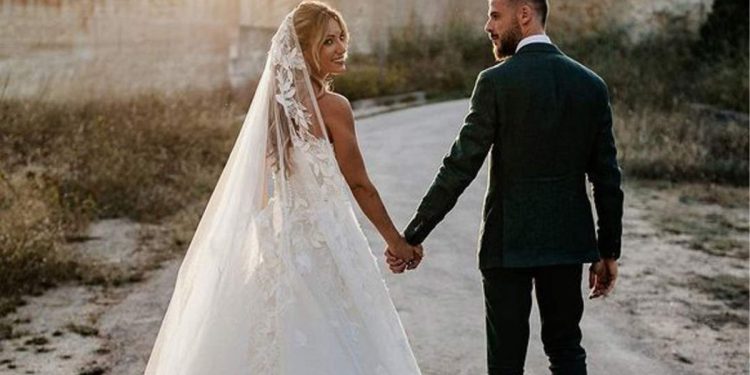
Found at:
<point>539,38</point>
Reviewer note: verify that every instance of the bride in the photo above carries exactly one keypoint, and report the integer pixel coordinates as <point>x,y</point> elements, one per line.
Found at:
<point>278,278</point>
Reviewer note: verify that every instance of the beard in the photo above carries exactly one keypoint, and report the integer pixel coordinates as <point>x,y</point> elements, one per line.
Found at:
<point>508,43</point>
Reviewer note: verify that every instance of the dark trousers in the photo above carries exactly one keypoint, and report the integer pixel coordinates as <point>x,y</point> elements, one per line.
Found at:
<point>507,295</point>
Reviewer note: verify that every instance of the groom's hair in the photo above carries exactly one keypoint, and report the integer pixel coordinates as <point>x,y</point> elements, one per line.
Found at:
<point>541,7</point>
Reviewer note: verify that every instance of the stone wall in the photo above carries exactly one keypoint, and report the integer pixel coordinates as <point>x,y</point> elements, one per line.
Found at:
<point>83,49</point>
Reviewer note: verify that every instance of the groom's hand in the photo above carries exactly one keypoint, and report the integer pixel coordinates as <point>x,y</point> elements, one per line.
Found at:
<point>602,276</point>
<point>397,263</point>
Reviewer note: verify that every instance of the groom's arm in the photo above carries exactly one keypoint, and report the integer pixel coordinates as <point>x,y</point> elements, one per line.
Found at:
<point>460,165</point>
<point>605,176</point>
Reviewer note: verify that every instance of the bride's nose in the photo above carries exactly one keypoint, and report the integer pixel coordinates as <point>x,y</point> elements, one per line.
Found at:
<point>341,47</point>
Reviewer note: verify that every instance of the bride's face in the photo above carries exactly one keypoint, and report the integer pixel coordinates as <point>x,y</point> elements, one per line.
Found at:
<point>333,50</point>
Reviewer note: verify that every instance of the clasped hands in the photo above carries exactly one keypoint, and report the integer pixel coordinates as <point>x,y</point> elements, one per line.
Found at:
<point>401,256</point>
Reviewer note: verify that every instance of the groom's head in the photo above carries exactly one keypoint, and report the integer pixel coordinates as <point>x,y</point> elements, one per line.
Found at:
<point>509,21</point>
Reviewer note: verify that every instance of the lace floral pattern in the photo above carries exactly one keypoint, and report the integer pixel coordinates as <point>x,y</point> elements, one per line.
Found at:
<point>279,279</point>
<point>318,290</point>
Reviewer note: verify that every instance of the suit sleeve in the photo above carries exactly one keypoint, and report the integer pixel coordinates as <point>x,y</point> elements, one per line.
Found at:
<point>605,176</point>
<point>460,165</point>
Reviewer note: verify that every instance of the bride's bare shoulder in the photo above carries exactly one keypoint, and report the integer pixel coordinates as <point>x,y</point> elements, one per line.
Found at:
<point>335,108</point>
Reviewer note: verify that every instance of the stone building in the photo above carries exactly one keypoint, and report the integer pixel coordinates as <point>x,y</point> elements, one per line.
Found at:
<point>85,49</point>
<point>82,49</point>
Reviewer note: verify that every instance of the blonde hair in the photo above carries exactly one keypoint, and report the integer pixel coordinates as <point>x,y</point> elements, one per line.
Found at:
<point>311,20</point>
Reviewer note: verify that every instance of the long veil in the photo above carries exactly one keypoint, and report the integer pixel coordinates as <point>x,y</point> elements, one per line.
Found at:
<point>242,282</point>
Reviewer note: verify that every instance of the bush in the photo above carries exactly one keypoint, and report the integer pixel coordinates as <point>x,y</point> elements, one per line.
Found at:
<point>723,48</point>
<point>653,84</point>
<point>440,60</point>
<point>664,70</point>
<point>725,31</point>
<point>682,145</point>
<point>367,80</point>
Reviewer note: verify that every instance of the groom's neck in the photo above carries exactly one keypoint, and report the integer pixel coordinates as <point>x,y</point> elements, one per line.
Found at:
<point>534,29</point>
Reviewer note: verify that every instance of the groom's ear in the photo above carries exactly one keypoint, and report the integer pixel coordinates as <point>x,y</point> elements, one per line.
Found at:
<point>525,14</point>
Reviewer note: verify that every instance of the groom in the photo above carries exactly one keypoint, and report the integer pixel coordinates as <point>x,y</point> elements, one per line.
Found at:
<point>546,122</point>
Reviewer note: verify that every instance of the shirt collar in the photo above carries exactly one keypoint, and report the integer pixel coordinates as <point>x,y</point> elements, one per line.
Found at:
<point>539,38</point>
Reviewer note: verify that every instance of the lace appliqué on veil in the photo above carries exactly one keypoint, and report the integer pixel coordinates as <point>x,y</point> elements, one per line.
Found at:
<point>317,246</point>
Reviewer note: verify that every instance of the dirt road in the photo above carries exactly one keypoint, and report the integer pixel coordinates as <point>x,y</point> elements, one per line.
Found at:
<point>652,324</point>
<point>441,303</point>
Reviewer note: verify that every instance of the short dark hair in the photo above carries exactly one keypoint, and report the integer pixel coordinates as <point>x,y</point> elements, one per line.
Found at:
<point>540,6</point>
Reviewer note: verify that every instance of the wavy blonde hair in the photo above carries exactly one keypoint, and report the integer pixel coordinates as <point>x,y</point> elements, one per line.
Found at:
<point>311,20</point>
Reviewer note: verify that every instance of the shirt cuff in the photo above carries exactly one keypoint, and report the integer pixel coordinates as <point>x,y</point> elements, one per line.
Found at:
<point>417,230</point>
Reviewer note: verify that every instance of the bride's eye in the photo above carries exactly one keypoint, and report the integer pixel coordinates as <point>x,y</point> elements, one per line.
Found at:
<point>328,42</point>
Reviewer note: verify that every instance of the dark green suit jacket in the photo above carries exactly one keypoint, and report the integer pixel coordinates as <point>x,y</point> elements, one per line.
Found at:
<point>547,123</point>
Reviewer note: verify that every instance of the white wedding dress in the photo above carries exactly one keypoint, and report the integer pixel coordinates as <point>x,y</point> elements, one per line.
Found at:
<point>279,278</point>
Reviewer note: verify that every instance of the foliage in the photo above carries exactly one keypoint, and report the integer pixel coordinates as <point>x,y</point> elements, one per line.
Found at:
<point>436,60</point>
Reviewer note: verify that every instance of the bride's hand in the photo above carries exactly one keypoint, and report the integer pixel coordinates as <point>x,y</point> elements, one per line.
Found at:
<point>401,249</point>
<point>397,262</point>
<point>419,253</point>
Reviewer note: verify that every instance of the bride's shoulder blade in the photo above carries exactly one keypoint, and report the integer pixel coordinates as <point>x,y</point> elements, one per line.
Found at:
<point>335,110</point>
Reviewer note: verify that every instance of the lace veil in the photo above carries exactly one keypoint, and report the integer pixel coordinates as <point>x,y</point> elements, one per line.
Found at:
<point>283,117</point>
<point>278,275</point>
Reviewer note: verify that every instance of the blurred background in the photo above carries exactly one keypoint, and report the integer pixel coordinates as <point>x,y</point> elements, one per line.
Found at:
<point>82,50</point>
<point>116,117</point>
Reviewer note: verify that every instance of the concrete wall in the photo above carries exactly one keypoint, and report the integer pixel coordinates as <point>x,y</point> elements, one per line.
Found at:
<point>83,49</point>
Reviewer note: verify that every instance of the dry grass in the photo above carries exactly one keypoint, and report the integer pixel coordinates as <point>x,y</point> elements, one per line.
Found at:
<point>141,159</point>
<point>709,218</point>
<point>732,291</point>
<point>681,145</point>
<point>32,251</point>
<point>64,165</point>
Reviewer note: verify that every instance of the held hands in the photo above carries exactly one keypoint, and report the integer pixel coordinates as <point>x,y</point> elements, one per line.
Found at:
<point>602,276</point>
<point>401,256</point>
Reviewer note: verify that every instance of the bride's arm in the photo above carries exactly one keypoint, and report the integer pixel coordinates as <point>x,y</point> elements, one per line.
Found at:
<point>339,120</point>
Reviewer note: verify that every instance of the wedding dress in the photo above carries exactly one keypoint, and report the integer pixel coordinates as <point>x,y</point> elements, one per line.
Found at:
<point>279,278</point>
